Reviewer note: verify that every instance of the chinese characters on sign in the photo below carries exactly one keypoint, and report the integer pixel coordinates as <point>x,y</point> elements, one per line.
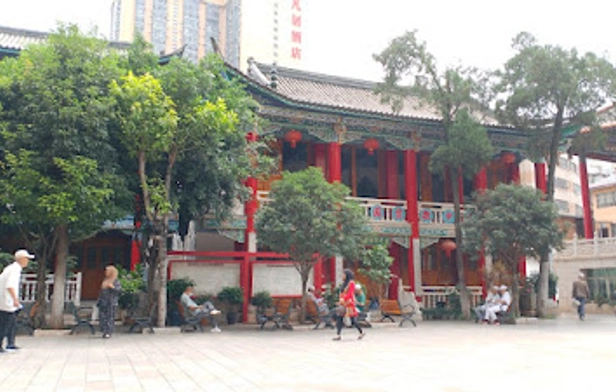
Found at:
<point>296,30</point>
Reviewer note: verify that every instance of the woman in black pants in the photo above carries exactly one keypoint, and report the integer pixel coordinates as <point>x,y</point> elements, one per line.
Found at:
<point>347,305</point>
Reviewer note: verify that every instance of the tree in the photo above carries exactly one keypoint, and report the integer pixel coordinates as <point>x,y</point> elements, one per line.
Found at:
<point>55,144</point>
<point>189,145</point>
<point>545,89</point>
<point>374,265</point>
<point>457,94</point>
<point>308,219</point>
<point>509,222</point>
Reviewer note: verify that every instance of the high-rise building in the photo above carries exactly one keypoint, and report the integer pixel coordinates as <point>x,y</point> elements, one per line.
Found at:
<point>268,30</point>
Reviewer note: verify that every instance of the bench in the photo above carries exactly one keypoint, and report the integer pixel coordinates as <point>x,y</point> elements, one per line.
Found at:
<point>143,318</point>
<point>313,314</point>
<point>82,316</point>
<point>24,318</point>
<point>187,320</point>
<point>440,312</point>
<point>278,315</point>
<point>391,308</point>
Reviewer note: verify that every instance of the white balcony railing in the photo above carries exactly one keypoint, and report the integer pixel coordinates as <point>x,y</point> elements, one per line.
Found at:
<point>588,248</point>
<point>393,211</point>
<point>431,295</point>
<point>72,290</point>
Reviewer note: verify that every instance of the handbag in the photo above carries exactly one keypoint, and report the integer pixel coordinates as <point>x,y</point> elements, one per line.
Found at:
<point>575,302</point>
<point>340,310</point>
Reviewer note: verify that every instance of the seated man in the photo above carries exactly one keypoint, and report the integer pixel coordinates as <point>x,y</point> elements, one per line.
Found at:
<point>491,300</point>
<point>360,298</point>
<point>322,307</point>
<point>502,305</point>
<point>200,311</point>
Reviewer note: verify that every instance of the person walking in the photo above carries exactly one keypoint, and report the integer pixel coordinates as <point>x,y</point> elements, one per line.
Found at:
<point>581,294</point>
<point>108,301</point>
<point>347,306</point>
<point>9,297</point>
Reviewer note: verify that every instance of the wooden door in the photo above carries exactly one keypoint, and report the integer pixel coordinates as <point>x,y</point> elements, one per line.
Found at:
<point>93,256</point>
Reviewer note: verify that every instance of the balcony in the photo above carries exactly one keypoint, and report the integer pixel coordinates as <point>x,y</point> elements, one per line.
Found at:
<point>388,216</point>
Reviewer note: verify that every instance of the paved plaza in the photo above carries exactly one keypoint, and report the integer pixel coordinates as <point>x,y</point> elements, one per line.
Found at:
<point>550,355</point>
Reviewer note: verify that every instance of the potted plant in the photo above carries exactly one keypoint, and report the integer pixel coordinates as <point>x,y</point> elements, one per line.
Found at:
<point>232,298</point>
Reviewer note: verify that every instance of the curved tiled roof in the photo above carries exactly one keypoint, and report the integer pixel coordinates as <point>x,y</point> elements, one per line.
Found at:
<point>343,93</point>
<point>13,39</point>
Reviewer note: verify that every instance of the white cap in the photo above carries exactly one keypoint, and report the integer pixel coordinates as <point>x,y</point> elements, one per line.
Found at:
<point>503,287</point>
<point>22,253</point>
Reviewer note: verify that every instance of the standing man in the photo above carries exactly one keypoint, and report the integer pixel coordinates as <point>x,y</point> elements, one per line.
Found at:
<point>9,295</point>
<point>581,294</point>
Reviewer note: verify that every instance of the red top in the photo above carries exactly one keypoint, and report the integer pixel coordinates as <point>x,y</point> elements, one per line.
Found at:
<point>347,299</point>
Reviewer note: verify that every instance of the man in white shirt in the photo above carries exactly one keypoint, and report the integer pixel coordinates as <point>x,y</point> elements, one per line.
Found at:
<point>200,311</point>
<point>491,300</point>
<point>502,305</point>
<point>9,295</point>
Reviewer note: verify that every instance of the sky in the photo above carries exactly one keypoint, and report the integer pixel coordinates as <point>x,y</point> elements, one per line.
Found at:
<point>340,36</point>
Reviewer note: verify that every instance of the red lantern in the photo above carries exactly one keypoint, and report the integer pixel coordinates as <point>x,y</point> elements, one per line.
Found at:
<point>448,246</point>
<point>508,157</point>
<point>293,137</point>
<point>371,145</point>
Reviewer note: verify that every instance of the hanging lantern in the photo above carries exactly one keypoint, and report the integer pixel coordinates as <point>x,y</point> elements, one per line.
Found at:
<point>371,145</point>
<point>293,137</point>
<point>448,246</point>
<point>508,157</point>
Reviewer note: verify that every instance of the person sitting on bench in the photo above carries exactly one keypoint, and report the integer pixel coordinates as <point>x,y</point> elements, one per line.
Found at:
<point>502,305</point>
<point>200,311</point>
<point>491,300</point>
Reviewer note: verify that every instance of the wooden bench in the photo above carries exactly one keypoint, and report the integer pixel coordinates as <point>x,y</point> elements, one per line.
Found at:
<point>82,316</point>
<point>187,320</point>
<point>24,318</point>
<point>143,318</point>
<point>313,314</point>
<point>392,307</point>
<point>278,315</point>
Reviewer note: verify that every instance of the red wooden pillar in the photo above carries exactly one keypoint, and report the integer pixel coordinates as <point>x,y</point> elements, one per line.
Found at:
<point>318,276</point>
<point>245,284</point>
<point>135,244</point>
<point>588,229</point>
<point>320,157</point>
<point>412,214</point>
<point>334,174</point>
<point>541,182</point>
<point>334,162</point>
<point>250,207</point>
<point>481,184</point>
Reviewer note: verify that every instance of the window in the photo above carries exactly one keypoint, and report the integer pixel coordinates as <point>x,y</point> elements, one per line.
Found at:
<point>563,206</point>
<point>607,199</point>
<point>561,183</point>
<point>602,283</point>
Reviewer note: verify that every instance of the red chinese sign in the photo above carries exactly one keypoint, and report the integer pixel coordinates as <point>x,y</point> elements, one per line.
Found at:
<point>296,29</point>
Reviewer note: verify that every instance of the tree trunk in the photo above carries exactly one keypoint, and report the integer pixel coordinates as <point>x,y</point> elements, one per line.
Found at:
<point>544,269</point>
<point>41,292</point>
<point>162,272</point>
<point>59,278</point>
<point>305,274</point>
<point>465,295</point>
<point>515,293</point>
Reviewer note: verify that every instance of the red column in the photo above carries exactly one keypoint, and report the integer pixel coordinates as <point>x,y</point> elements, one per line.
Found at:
<point>412,214</point>
<point>334,170</point>
<point>393,189</point>
<point>334,162</point>
<point>245,285</point>
<point>515,172</point>
<point>318,276</point>
<point>250,207</point>
<point>541,182</point>
<point>588,229</point>
<point>320,157</point>
<point>135,244</point>
<point>481,184</point>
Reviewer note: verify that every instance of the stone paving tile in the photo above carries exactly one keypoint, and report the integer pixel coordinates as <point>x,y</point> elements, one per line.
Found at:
<point>436,356</point>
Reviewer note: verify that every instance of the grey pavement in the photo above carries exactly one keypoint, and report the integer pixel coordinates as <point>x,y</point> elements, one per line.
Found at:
<point>551,355</point>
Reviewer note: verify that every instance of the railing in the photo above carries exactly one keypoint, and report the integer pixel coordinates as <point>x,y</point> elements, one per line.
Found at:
<point>588,248</point>
<point>394,211</point>
<point>382,210</point>
<point>72,290</point>
<point>431,213</point>
<point>431,295</point>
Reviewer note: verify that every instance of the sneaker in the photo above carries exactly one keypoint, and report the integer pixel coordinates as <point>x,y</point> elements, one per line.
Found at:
<point>11,348</point>
<point>361,336</point>
<point>215,312</point>
<point>216,329</point>
<point>337,338</point>
<point>106,336</point>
